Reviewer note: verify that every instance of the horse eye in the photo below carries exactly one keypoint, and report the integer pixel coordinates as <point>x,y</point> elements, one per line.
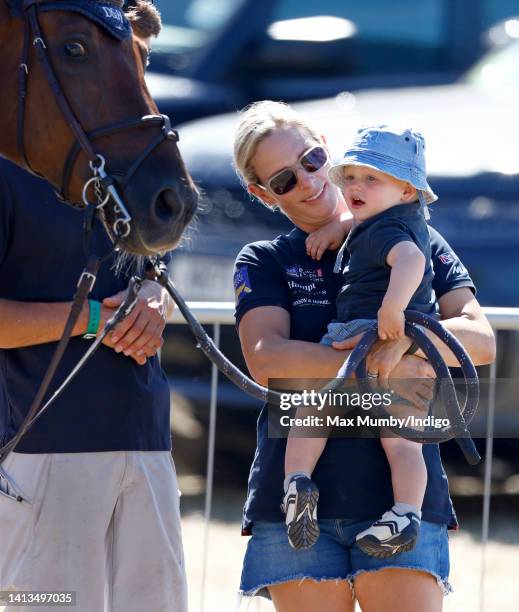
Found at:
<point>75,49</point>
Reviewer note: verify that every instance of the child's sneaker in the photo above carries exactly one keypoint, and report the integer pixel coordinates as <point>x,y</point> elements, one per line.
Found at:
<point>392,534</point>
<point>300,507</point>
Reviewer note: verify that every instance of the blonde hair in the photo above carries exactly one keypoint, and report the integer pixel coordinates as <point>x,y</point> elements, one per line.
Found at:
<point>257,121</point>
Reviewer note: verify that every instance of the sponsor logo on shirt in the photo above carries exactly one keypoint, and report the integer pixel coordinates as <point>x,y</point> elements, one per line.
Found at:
<point>242,284</point>
<point>313,274</point>
<point>306,286</point>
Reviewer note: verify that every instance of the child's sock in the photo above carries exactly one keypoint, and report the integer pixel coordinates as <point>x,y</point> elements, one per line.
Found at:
<point>292,475</point>
<point>401,509</point>
<point>396,532</point>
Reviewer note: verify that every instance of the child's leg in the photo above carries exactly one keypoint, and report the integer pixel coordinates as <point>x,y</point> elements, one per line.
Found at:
<point>302,455</point>
<point>408,471</point>
<point>301,494</point>
<point>398,529</point>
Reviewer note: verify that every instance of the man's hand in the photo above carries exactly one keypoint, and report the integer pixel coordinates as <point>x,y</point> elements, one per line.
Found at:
<point>139,335</point>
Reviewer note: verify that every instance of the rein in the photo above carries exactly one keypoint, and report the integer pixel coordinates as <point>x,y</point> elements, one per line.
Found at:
<point>459,417</point>
<point>354,364</point>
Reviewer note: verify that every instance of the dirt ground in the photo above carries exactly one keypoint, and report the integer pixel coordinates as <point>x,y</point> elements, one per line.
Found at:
<point>226,548</point>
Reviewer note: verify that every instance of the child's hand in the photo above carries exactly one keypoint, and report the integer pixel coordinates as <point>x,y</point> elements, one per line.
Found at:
<point>329,236</point>
<point>391,323</point>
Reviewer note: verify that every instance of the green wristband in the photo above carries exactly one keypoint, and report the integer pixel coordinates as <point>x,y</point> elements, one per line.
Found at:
<point>94,318</point>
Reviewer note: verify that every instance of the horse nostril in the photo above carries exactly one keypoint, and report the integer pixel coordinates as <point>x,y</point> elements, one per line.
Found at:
<point>167,207</point>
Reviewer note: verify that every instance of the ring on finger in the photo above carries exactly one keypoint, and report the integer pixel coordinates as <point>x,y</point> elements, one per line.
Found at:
<point>372,375</point>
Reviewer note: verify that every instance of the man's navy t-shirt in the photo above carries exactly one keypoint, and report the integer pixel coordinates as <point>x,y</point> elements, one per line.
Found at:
<point>353,475</point>
<point>113,403</point>
<point>366,275</point>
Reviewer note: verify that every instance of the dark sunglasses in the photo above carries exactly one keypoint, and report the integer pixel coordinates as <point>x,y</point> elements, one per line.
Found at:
<point>311,161</point>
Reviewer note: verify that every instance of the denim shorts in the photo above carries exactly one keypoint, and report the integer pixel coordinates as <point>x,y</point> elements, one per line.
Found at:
<point>270,560</point>
<point>337,331</point>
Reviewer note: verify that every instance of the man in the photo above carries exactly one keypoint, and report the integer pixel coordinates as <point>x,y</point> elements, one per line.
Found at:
<point>100,511</point>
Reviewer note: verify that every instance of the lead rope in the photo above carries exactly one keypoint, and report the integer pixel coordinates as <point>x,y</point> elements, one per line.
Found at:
<point>355,364</point>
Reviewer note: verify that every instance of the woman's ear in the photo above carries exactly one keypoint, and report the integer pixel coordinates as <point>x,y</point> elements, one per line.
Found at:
<point>262,194</point>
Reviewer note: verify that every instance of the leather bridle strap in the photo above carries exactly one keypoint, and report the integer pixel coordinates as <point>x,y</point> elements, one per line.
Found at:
<point>22,93</point>
<point>31,21</point>
<point>83,140</point>
<point>86,282</point>
<point>130,124</point>
<point>123,310</point>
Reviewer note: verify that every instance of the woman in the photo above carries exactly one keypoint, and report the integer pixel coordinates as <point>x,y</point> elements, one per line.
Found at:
<point>285,299</point>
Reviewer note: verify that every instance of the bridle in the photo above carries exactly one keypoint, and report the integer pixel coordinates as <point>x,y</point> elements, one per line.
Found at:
<point>105,186</point>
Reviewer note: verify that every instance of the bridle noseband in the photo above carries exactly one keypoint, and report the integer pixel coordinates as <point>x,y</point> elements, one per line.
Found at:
<point>105,186</point>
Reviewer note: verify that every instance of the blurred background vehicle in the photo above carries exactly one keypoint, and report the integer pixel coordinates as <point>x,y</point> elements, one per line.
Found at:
<point>215,56</point>
<point>472,135</point>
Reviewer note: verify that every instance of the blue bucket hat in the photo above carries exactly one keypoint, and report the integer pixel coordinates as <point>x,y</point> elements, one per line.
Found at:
<point>394,151</point>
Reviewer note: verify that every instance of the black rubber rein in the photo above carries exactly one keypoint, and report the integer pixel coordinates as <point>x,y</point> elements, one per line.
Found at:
<point>356,364</point>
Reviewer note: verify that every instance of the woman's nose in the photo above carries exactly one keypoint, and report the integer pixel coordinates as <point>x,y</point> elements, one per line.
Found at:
<point>304,178</point>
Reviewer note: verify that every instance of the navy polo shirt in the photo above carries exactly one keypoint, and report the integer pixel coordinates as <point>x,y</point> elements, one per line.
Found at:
<point>113,403</point>
<point>353,475</point>
<point>366,275</point>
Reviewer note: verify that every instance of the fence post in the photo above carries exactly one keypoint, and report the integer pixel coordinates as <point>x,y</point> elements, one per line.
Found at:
<point>210,467</point>
<point>487,489</point>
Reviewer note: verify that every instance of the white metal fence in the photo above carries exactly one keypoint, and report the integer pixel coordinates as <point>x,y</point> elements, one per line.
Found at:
<point>221,313</point>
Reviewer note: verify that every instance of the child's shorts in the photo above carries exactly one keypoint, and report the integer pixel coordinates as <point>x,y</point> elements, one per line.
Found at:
<point>338,331</point>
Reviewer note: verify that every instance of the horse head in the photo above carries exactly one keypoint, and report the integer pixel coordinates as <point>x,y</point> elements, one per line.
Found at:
<point>75,107</point>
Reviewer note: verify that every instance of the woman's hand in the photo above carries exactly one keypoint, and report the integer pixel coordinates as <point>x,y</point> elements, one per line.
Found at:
<point>383,357</point>
<point>413,379</point>
<point>409,376</point>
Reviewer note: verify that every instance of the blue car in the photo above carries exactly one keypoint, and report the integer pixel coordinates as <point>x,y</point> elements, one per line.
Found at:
<point>214,56</point>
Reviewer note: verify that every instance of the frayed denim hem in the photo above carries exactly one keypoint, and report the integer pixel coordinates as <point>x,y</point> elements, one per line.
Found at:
<point>262,589</point>
<point>443,583</point>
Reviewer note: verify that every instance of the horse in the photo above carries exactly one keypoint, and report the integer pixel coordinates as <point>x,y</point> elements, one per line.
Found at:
<point>76,111</point>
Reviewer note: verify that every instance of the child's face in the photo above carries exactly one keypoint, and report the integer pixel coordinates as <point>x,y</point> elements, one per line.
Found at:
<point>368,192</point>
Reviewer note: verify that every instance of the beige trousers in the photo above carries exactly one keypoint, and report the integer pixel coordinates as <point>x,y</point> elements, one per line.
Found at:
<point>104,525</point>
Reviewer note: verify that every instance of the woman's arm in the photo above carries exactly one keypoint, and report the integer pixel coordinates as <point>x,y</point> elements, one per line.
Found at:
<point>462,315</point>
<point>270,353</point>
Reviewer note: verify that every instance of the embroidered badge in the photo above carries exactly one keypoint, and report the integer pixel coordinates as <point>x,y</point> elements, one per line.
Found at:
<point>446,258</point>
<point>242,284</point>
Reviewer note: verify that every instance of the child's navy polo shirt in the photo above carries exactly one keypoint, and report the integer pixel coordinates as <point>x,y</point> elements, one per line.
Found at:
<point>114,403</point>
<point>366,275</point>
<point>353,475</point>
